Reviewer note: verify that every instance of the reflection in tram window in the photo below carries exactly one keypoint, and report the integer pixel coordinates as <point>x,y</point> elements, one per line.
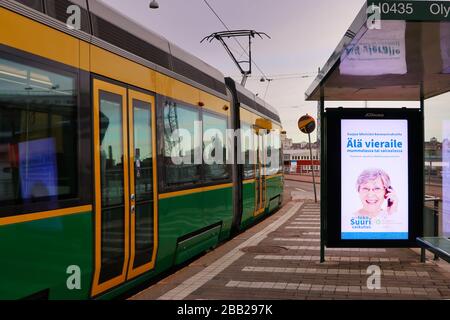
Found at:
<point>111,141</point>
<point>179,123</point>
<point>267,154</point>
<point>279,146</point>
<point>248,150</point>
<point>273,153</point>
<point>37,168</point>
<point>143,153</point>
<point>38,134</point>
<point>112,185</point>
<point>143,180</point>
<point>215,147</point>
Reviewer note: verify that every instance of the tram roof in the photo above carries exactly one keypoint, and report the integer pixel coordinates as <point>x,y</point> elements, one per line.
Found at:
<point>181,59</point>
<point>257,104</point>
<point>387,64</point>
<point>116,18</point>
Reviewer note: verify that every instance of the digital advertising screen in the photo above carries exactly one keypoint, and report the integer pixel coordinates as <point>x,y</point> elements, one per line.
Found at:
<point>374,173</point>
<point>374,183</point>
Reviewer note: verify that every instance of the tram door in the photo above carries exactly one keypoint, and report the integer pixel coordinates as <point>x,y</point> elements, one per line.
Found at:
<point>125,192</point>
<point>260,174</point>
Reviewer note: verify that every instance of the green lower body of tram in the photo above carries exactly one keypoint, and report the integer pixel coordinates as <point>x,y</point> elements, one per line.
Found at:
<point>36,254</point>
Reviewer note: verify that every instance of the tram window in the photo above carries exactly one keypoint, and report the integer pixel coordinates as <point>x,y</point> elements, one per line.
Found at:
<point>215,147</point>
<point>38,135</point>
<point>268,154</point>
<point>273,153</point>
<point>280,150</point>
<point>180,167</point>
<point>111,149</point>
<point>248,150</point>
<point>278,168</point>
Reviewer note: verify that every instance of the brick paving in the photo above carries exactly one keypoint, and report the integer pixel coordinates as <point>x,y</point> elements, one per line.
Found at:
<point>274,260</point>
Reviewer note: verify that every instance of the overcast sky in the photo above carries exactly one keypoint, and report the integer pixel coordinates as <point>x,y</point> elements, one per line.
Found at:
<point>304,34</point>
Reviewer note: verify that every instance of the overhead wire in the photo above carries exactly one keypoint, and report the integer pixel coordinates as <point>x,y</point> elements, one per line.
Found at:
<point>263,74</point>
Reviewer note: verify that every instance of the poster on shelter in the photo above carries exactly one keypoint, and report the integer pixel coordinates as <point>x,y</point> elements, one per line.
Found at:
<point>374,183</point>
<point>378,52</point>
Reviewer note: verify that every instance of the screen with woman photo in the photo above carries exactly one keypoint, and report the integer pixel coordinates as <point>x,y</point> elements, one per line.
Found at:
<point>374,181</point>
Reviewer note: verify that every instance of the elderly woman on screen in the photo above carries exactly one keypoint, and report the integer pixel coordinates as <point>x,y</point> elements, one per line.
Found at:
<point>374,188</point>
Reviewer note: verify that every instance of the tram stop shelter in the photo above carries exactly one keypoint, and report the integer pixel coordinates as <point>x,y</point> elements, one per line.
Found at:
<point>404,58</point>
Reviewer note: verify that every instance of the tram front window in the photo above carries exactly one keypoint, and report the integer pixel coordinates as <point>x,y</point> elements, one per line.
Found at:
<point>38,134</point>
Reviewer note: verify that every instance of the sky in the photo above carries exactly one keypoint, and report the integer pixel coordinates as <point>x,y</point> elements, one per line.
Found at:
<point>304,33</point>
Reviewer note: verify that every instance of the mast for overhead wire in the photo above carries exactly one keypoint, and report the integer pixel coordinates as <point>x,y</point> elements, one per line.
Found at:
<point>221,36</point>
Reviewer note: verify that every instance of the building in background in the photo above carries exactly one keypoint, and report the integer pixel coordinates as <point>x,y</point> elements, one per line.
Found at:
<point>299,161</point>
<point>297,158</point>
<point>285,141</point>
<point>305,145</point>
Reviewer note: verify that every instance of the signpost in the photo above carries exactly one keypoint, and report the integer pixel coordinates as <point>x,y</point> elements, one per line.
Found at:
<point>410,10</point>
<point>307,125</point>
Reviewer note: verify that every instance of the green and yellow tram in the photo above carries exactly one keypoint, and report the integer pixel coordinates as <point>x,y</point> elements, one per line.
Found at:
<point>87,188</point>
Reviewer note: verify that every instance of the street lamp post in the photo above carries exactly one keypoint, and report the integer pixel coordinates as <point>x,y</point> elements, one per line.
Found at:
<point>154,4</point>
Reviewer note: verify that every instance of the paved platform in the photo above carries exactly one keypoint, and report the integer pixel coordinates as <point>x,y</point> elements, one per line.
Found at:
<point>302,178</point>
<point>279,259</point>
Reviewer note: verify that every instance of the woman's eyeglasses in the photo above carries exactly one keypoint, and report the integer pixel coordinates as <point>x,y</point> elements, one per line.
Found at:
<point>375,190</point>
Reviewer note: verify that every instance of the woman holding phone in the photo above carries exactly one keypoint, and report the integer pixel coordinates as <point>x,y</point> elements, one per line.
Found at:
<point>376,193</point>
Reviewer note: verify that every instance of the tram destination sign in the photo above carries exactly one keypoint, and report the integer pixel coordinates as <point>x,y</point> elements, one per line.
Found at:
<point>409,10</point>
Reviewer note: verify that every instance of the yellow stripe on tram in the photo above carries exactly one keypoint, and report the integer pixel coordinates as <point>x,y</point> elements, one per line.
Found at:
<point>44,215</point>
<point>274,176</point>
<point>193,191</point>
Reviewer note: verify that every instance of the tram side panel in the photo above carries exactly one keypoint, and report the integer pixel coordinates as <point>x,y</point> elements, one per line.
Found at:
<point>218,195</point>
<point>262,182</point>
<point>46,229</point>
<point>196,200</point>
<point>43,246</point>
<point>274,191</point>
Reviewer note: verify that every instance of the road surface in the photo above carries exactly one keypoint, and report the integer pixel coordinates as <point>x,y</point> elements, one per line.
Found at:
<point>295,190</point>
